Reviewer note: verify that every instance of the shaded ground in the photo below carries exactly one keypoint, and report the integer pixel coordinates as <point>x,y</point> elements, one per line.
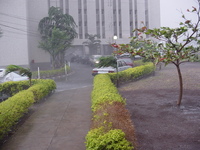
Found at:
<point>159,123</point>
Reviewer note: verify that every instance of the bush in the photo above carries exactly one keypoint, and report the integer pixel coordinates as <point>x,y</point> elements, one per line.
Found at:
<point>50,73</point>
<point>104,91</point>
<point>99,139</point>
<point>12,109</point>
<point>12,87</point>
<point>42,88</point>
<point>133,73</point>
<point>112,128</point>
<point>115,116</point>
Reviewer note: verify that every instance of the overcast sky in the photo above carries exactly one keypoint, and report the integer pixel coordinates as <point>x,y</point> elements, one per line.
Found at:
<point>171,11</point>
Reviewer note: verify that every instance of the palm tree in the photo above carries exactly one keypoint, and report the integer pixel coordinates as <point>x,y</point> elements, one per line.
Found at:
<point>109,61</point>
<point>22,71</point>
<point>93,43</point>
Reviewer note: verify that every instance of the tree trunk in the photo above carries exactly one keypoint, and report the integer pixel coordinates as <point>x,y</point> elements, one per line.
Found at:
<point>30,82</point>
<point>180,84</point>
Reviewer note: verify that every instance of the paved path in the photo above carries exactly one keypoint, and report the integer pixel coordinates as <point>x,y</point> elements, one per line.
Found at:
<point>59,123</point>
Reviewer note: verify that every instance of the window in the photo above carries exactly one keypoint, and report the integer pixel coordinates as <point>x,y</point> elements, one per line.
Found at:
<point>102,11</point>
<point>79,11</point>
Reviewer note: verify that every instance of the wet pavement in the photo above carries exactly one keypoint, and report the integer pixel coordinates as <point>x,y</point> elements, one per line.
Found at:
<point>79,77</point>
<point>62,120</point>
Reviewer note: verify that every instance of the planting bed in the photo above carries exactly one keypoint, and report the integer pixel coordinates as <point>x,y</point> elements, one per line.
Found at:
<point>159,123</point>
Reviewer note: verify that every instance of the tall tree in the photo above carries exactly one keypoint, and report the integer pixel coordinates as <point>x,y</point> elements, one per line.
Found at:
<point>93,43</point>
<point>51,27</point>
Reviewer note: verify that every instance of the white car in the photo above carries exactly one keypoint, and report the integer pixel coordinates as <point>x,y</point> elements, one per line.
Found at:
<point>2,72</point>
<point>12,76</point>
<point>121,66</point>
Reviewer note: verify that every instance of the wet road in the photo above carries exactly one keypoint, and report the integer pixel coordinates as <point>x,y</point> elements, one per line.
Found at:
<point>80,76</point>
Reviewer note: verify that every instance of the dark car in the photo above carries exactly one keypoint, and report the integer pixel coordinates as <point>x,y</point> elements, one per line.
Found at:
<point>127,60</point>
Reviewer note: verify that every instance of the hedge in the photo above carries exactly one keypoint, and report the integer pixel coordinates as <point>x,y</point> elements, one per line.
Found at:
<point>112,128</point>
<point>12,87</point>
<point>12,109</point>
<point>50,73</point>
<point>98,139</point>
<point>133,73</point>
<point>104,90</point>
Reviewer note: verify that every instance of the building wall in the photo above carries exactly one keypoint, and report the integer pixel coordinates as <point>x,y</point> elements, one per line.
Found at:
<point>13,43</point>
<point>19,21</point>
<point>113,17</point>
<point>36,10</point>
<point>19,43</point>
<point>154,11</point>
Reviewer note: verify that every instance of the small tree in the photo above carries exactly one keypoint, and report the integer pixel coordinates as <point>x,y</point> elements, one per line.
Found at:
<point>177,44</point>
<point>55,45</point>
<point>109,61</point>
<point>22,71</point>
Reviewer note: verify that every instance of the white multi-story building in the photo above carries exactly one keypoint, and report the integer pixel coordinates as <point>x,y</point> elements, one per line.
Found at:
<point>19,21</point>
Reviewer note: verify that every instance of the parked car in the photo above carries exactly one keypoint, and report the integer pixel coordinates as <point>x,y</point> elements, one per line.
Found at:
<point>121,66</point>
<point>127,60</point>
<point>2,72</point>
<point>12,77</point>
<point>94,59</point>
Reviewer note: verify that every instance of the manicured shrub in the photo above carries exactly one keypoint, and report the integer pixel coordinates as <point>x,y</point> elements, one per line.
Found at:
<point>42,88</point>
<point>50,73</point>
<point>115,116</point>
<point>99,139</point>
<point>112,128</point>
<point>12,87</point>
<point>104,91</point>
<point>133,73</point>
<point>12,109</point>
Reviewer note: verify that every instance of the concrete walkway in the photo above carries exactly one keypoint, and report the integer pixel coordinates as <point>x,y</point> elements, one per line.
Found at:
<point>59,123</point>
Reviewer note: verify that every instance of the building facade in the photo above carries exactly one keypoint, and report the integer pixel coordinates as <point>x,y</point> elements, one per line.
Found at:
<point>106,18</point>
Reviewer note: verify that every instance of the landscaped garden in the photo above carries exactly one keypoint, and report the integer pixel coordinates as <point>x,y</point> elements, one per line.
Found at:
<point>159,122</point>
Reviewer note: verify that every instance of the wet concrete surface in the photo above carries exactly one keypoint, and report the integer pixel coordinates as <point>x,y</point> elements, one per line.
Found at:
<point>79,77</point>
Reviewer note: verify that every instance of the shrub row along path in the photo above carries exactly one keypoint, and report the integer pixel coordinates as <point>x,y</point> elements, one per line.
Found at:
<point>61,121</point>
<point>159,123</point>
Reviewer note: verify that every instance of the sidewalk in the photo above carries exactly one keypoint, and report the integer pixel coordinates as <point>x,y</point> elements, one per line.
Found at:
<point>59,123</point>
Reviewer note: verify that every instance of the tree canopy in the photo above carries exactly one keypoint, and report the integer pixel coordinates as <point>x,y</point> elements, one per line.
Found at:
<point>58,31</point>
<point>93,43</point>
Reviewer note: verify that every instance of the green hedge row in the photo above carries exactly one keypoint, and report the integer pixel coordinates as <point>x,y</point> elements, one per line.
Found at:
<point>99,139</point>
<point>50,73</point>
<point>11,88</point>
<point>133,73</point>
<point>12,109</point>
<point>104,90</point>
<point>108,131</point>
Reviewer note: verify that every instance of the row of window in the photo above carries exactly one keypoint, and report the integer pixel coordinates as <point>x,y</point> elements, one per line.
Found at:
<point>100,15</point>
